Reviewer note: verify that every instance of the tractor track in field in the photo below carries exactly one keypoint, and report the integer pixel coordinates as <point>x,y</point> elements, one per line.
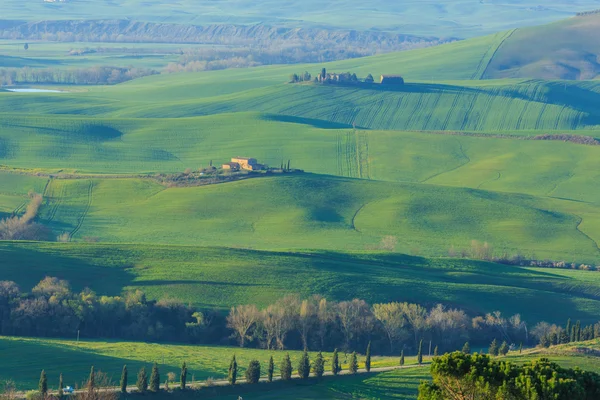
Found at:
<point>497,178</point>
<point>557,184</point>
<point>450,111</point>
<point>362,152</point>
<point>504,39</point>
<point>585,234</point>
<point>57,200</point>
<point>85,211</point>
<point>19,208</point>
<point>339,154</point>
<point>462,151</point>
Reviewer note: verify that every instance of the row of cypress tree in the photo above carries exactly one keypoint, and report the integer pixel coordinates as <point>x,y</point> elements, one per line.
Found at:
<point>252,374</point>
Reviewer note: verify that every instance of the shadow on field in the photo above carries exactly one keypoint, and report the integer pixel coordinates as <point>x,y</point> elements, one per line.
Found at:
<point>315,123</point>
<point>30,356</point>
<point>192,282</point>
<point>27,266</point>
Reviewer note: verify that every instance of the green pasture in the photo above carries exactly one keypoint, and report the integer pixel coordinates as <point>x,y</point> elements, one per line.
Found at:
<point>222,277</point>
<point>135,145</point>
<point>507,107</point>
<point>297,211</point>
<point>24,359</point>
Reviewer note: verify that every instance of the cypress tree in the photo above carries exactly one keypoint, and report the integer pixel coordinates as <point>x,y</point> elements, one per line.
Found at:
<point>573,333</point>
<point>304,366</point>
<point>503,350</point>
<point>270,370</point>
<point>92,379</point>
<point>183,376</point>
<point>253,372</point>
<point>60,386</point>
<point>142,381</point>
<point>319,366</point>
<point>402,358</point>
<point>353,363</point>
<point>335,363</point>
<point>368,358</point>
<point>568,327</point>
<point>286,368</point>
<point>124,379</point>
<point>232,376</point>
<point>564,336</point>
<point>420,353</point>
<point>493,350</point>
<point>43,385</point>
<point>521,348</point>
<point>578,331</point>
<point>155,379</point>
<point>466,348</point>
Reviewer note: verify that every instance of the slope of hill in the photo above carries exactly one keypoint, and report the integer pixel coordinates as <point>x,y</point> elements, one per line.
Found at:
<point>566,49</point>
<point>223,277</point>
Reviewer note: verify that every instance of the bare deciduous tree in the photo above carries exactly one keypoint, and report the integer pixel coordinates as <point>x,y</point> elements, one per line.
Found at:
<point>354,318</point>
<point>306,319</point>
<point>416,317</point>
<point>242,319</point>
<point>392,319</point>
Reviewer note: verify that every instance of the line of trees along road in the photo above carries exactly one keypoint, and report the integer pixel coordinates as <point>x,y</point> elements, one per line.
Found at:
<point>52,309</point>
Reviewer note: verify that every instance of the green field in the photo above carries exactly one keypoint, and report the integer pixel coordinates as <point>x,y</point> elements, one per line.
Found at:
<point>447,159</point>
<point>75,359</point>
<point>221,278</point>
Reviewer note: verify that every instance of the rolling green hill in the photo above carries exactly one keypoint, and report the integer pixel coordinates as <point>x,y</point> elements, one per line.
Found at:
<point>298,211</point>
<point>222,277</point>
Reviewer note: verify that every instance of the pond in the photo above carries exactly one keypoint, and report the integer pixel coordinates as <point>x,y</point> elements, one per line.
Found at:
<point>34,91</point>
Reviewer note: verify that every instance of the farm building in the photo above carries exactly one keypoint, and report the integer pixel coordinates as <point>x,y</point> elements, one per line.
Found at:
<point>232,166</point>
<point>246,163</point>
<point>392,80</point>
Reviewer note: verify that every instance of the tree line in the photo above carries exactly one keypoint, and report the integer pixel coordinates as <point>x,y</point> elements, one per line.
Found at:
<point>98,382</point>
<point>71,76</point>
<point>52,309</point>
<point>457,375</point>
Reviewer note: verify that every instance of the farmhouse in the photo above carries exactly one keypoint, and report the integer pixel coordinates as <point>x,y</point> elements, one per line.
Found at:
<point>245,163</point>
<point>392,80</point>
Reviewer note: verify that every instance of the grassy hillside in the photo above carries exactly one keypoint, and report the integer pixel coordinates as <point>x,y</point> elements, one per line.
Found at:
<point>220,277</point>
<point>566,49</point>
<point>297,211</point>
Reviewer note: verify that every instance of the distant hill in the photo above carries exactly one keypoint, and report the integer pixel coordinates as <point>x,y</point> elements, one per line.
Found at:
<point>568,49</point>
<point>463,18</point>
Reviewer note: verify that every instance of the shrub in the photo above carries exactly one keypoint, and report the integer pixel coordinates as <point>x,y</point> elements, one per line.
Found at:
<point>34,395</point>
<point>253,372</point>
